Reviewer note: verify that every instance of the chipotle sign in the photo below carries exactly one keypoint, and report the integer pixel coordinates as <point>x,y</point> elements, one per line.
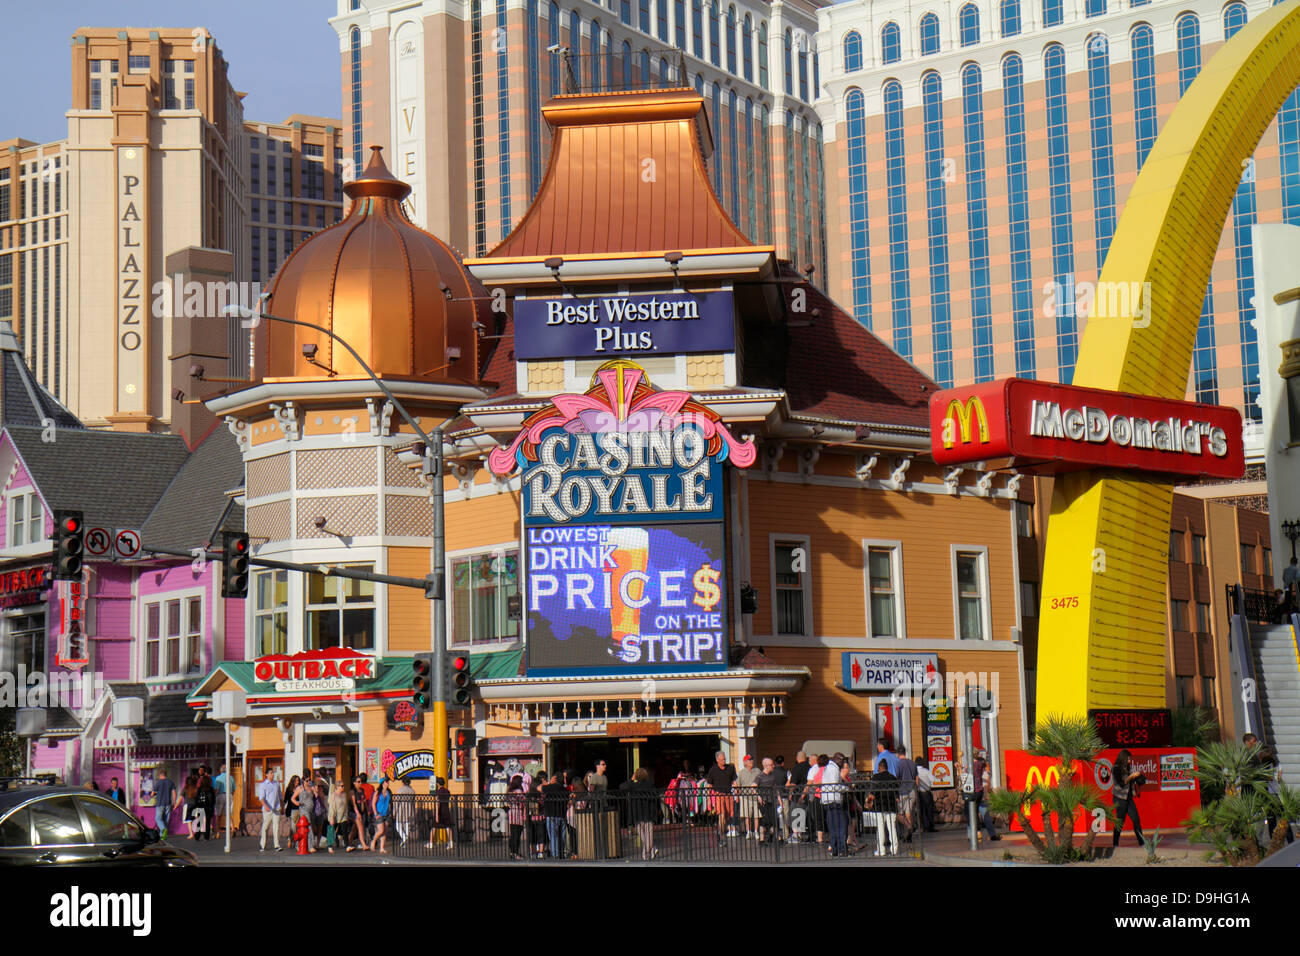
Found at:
<point>334,668</point>
<point>27,586</point>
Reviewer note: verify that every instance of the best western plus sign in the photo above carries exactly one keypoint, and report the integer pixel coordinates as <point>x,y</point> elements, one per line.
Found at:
<point>1045,428</point>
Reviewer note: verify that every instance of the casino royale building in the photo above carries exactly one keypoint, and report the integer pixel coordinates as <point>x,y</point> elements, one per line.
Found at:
<point>689,502</point>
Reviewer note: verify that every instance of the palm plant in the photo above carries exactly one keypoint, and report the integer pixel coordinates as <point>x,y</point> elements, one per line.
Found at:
<point>1072,741</point>
<point>1286,807</point>
<point>1229,768</point>
<point>1193,727</point>
<point>1231,825</point>
<point>1231,821</point>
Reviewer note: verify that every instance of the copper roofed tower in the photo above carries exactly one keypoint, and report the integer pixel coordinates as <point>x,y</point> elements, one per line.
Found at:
<point>397,294</point>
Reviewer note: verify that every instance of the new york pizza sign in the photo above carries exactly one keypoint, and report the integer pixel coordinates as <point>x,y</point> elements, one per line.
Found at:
<point>1046,428</point>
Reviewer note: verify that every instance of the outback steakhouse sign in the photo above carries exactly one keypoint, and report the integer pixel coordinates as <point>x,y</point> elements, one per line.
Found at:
<point>1044,428</point>
<point>27,586</point>
<point>335,668</point>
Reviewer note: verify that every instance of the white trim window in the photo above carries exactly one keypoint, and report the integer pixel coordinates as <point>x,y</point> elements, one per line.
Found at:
<point>884,580</point>
<point>270,612</point>
<point>340,611</point>
<point>26,520</point>
<point>482,584</point>
<point>791,584</point>
<point>970,592</point>
<point>173,637</point>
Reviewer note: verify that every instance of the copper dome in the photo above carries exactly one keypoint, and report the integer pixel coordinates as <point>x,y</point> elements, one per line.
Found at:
<point>395,293</point>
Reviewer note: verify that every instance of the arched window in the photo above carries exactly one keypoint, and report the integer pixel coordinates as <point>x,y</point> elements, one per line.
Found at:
<point>354,52</point>
<point>503,122</point>
<point>717,139</point>
<point>594,46</point>
<point>896,194</point>
<point>852,51</point>
<point>1010,18</point>
<point>936,203</point>
<point>733,153</point>
<point>789,63</point>
<point>891,43</point>
<point>715,34</point>
<point>1022,279</point>
<point>969,23</point>
<point>1062,221</point>
<point>663,70</point>
<point>575,45</point>
<point>645,69</point>
<point>859,223</point>
<point>929,34</point>
<point>1103,146</point>
<point>1053,12</point>
<point>679,28</point>
<point>643,16</point>
<point>697,28</point>
<point>731,40</point>
<point>791,173</point>
<point>1234,18</point>
<point>1142,43</point>
<point>751,207</point>
<point>627,65</point>
<point>803,68</point>
<point>1189,50</point>
<point>1094,8</point>
<point>762,55</point>
<point>534,98</point>
<point>699,83</point>
<point>817,75</point>
<point>553,39</point>
<point>747,47</point>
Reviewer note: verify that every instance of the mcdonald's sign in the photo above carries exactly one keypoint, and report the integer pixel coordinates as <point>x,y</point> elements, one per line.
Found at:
<point>1045,428</point>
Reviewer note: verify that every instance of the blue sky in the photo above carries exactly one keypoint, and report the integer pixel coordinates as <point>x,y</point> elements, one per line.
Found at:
<point>282,53</point>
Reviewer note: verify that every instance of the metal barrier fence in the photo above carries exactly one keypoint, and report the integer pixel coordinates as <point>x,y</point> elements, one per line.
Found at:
<point>750,825</point>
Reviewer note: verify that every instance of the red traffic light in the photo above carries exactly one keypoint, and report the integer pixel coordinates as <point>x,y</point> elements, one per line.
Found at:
<point>239,545</point>
<point>460,663</point>
<point>71,525</point>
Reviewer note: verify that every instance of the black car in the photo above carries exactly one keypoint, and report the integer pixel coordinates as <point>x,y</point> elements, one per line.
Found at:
<point>61,826</point>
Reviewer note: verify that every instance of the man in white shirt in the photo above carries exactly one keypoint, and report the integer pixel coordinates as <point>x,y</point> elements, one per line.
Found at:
<point>268,791</point>
<point>833,802</point>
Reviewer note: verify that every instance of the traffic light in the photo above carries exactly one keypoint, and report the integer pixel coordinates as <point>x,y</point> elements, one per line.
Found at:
<point>69,530</point>
<point>460,682</point>
<point>234,560</point>
<point>464,738</point>
<point>422,682</point>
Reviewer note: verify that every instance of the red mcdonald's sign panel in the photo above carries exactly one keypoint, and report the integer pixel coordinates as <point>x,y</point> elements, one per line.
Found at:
<point>1045,428</point>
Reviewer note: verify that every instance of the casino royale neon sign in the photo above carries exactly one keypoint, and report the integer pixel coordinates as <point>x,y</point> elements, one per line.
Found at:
<point>561,496</point>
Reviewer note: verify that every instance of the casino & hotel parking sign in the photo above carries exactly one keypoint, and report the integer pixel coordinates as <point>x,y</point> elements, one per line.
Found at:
<point>623,541</point>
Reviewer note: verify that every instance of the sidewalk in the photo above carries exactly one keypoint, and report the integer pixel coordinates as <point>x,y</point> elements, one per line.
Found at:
<point>952,848</point>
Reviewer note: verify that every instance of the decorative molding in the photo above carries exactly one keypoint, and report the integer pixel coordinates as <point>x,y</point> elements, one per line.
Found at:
<point>898,477</point>
<point>287,417</point>
<point>1013,483</point>
<point>951,477</point>
<point>984,487</point>
<point>772,454</point>
<point>808,456</point>
<point>381,422</point>
<point>239,428</point>
<point>464,474</point>
<point>863,465</point>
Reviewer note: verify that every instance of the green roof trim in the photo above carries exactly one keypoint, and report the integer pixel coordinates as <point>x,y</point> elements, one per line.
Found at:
<point>495,666</point>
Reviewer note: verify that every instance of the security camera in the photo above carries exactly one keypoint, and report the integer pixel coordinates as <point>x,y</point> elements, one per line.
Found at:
<point>178,395</point>
<point>555,48</point>
<point>309,351</point>
<point>453,354</point>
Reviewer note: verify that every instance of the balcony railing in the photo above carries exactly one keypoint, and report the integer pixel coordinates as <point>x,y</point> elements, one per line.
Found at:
<point>618,71</point>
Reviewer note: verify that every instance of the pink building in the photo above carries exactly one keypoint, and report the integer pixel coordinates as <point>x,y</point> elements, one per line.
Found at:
<point>150,626</point>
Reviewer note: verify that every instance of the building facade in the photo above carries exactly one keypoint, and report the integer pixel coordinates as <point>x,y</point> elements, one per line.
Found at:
<point>454,92</point>
<point>160,209</point>
<point>978,155</point>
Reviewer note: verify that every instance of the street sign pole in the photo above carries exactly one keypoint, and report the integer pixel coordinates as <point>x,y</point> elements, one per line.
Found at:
<point>440,740</point>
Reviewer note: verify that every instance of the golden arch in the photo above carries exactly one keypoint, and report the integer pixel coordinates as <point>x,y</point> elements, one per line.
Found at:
<point>1108,536</point>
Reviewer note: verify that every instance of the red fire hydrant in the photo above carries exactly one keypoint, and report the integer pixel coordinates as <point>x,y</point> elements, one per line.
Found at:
<point>303,835</point>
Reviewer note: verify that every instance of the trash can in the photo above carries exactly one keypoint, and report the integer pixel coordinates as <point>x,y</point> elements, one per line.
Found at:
<point>598,835</point>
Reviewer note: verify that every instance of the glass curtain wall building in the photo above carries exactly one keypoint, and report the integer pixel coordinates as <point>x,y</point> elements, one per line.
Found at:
<point>456,102</point>
<point>978,155</point>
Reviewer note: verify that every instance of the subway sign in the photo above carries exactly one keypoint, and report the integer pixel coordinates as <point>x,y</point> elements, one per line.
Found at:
<point>1046,428</point>
<point>623,536</point>
<point>663,323</point>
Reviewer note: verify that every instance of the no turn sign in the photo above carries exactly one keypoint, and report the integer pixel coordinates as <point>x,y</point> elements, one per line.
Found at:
<point>98,542</point>
<point>126,542</point>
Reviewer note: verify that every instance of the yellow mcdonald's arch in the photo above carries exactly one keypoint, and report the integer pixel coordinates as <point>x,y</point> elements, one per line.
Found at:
<point>1107,536</point>
<point>961,414</point>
